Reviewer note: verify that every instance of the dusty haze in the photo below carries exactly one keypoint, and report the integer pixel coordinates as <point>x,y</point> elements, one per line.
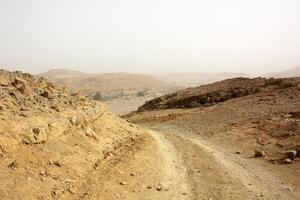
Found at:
<point>252,36</point>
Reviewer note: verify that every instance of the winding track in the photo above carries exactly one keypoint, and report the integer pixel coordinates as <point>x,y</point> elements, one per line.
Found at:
<point>215,174</point>
<point>175,166</point>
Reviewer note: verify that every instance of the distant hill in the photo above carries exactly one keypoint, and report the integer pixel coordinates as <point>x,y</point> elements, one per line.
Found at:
<point>211,94</point>
<point>295,72</point>
<point>60,73</point>
<point>105,83</point>
<point>196,79</point>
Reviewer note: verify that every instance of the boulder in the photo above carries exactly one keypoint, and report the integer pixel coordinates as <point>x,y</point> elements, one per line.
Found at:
<point>55,107</point>
<point>46,94</point>
<point>24,89</point>
<point>295,115</point>
<point>58,163</point>
<point>91,133</point>
<point>288,161</point>
<point>291,154</point>
<point>13,165</point>
<point>73,120</point>
<point>18,81</point>
<point>39,135</point>
<point>259,154</point>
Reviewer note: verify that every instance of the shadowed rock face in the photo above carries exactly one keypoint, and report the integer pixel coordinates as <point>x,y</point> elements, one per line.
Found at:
<point>218,92</point>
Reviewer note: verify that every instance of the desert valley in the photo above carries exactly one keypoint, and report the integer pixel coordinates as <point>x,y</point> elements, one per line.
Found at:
<point>122,92</point>
<point>233,139</point>
<point>149,100</point>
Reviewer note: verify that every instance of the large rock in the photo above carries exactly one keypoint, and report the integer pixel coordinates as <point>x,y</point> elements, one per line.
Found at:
<point>90,133</point>
<point>295,115</point>
<point>39,135</point>
<point>291,154</point>
<point>288,161</point>
<point>259,153</point>
<point>46,94</point>
<point>25,90</point>
<point>18,81</point>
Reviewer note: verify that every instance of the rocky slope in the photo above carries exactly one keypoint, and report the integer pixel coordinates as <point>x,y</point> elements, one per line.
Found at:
<point>266,109</point>
<point>57,144</point>
<point>51,139</point>
<point>221,91</point>
<point>257,133</point>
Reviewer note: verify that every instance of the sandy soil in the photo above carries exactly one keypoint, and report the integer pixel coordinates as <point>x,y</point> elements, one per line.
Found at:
<point>172,164</point>
<point>215,173</point>
<point>155,172</point>
<point>217,145</point>
<point>60,145</point>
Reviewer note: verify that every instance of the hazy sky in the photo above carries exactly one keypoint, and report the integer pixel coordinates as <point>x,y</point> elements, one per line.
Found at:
<point>150,36</point>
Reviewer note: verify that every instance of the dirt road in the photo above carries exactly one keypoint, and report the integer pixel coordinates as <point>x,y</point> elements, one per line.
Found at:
<point>214,173</point>
<point>174,165</point>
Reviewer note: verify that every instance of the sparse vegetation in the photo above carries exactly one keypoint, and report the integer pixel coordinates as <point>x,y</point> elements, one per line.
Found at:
<point>140,94</point>
<point>98,96</point>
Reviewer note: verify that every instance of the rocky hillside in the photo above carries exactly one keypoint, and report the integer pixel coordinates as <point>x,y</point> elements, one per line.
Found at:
<point>109,85</point>
<point>53,140</point>
<point>221,91</point>
<point>259,130</point>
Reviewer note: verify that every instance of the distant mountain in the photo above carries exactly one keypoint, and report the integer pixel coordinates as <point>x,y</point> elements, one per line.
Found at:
<point>295,72</point>
<point>60,73</point>
<point>105,83</point>
<point>196,79</point>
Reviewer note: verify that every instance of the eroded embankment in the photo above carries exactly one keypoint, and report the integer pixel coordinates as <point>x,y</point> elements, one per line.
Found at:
<point>155,171</point>
<point>52,138</point>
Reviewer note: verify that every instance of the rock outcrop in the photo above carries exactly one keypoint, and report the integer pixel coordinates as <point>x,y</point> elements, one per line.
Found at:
<point>44,127</point>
